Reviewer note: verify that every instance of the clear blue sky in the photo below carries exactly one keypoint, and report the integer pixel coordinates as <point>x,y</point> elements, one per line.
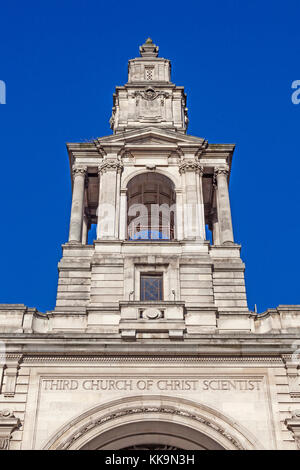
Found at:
<point>61,61</point>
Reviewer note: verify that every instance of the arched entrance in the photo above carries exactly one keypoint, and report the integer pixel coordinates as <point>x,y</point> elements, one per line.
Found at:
<point>152,421</point>
<point>152,435</point>
<point>151,202</point>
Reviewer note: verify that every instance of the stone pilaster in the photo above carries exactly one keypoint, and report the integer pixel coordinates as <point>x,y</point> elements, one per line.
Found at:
<point>123,215</point>
<point>79,175</point>
<point>223,205</point>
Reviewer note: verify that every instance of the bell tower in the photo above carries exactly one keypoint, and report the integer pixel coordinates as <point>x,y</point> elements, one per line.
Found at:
<point>157,195</point>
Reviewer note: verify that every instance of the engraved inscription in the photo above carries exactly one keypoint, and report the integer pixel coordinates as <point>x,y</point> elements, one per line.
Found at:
<point>122,384</point>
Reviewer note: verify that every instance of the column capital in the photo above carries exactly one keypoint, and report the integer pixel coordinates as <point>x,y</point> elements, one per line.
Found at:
<point>221,170</point>
<point>110,165</point>
<point>191,166</point>
<point>79,170</point>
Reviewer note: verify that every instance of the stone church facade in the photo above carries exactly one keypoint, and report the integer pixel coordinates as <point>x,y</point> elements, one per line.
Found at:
<point>151,343</point>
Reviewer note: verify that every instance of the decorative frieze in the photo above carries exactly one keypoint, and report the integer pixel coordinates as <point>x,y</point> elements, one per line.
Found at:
<point>150,358</point>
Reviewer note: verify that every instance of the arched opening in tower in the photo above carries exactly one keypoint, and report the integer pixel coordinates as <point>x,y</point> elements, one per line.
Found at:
<point>151,207</point>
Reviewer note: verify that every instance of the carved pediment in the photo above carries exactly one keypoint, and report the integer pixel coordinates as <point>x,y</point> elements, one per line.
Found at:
<point>152,136</point>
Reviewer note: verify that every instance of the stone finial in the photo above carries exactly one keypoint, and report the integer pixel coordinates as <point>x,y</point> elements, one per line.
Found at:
<point>149,49</point>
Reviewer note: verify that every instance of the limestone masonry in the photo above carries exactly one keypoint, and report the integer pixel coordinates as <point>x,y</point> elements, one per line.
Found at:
<point>151,344</point>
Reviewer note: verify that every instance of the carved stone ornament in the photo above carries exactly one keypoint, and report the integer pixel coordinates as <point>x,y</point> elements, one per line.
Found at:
<point>293,425</point>
<point>152,314</point>
<point>110,165</point>
<point>8,423</point>
<point>221,171</point>
<point>149,94</point>
<point>146,410</point>
<point>191,166</point>
<point>149,49</point>
<point>79,170</point>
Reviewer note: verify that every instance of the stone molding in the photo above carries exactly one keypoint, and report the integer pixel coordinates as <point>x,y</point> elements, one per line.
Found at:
<point>8,423</point>
<point>155,359</point>
<point>145,410</point>
<point>198,416</point>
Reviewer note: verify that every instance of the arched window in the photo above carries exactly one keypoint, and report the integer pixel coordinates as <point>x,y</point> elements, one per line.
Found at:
<point>151,207</point>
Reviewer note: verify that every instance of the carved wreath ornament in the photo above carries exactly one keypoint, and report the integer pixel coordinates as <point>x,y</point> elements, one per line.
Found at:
<point>150,94</point>
<point>142,410</point>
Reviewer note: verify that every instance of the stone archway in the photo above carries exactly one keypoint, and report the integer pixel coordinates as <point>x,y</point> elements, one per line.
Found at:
<point>151,421</point>
<point>152,434</point>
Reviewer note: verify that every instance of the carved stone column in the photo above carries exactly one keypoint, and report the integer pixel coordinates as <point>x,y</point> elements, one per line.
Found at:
<point>214,227</point>
<point>193,207</point>
<point>123,215</point>
<point>200,203</point>
<point>223,206</point>
<point>79,175</point>
<point>109,199</point>
<point>293,425</point>
<point>8,423</point>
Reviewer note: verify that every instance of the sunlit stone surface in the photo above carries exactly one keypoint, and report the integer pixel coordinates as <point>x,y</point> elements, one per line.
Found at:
<point>151,344</point>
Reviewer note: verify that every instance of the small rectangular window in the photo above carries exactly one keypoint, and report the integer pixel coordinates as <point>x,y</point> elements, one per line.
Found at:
<point>151,287</point>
